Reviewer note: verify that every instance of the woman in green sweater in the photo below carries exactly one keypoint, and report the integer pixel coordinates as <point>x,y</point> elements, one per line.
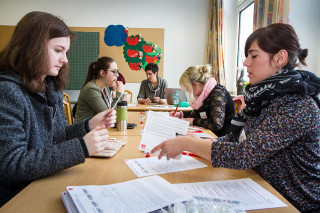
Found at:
<point>95,95</point>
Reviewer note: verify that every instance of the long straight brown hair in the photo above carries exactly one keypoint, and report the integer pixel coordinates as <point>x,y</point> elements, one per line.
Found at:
<point>27,51</point>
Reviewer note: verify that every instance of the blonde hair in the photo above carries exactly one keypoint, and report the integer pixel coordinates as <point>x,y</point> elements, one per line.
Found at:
<point>197,73</point>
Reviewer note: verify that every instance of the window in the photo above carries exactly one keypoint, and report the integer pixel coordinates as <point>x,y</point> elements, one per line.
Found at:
<point>245,28</point>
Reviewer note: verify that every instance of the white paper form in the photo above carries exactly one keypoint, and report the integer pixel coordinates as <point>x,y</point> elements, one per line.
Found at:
<point>152,166</point>
<point>159,128</point>
<point>250,194</point>
<point>139,195</point>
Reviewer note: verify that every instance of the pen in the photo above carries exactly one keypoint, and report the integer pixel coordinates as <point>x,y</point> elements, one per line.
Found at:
<point>117,100</point>
<point>176,109</point>
<point>190,154</point>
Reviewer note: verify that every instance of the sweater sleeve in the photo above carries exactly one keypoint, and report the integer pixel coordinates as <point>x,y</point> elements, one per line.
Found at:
<point>216,118</point>
<point>273,131</point>
<point>76,130</point>
<point>142,90</point>
<point>25,155</point>
<point>163,86</point>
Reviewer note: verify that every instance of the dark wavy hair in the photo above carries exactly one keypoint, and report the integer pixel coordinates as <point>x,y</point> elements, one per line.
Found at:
<point>27,51</point>
<point>276,37</point>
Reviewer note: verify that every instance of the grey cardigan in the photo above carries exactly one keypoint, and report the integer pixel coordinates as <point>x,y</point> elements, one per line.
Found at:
<point>146,90</point>
<point>35,140</point>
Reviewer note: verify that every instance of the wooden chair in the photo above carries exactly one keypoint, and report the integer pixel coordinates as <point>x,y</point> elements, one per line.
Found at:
<point>67,108</point>
<point>128,92</point>
<point>239,103</point>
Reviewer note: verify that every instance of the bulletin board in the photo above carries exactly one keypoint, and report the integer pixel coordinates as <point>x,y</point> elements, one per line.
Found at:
<point>154,35</point>
<point>83,50</point>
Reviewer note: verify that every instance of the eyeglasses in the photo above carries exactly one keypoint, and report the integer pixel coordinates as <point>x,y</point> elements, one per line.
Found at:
<point>115,72</point>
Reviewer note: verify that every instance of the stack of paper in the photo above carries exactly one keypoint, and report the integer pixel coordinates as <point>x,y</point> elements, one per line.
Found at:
<point>243,194</point>
<point>139,195</point>
<point>159,128</point>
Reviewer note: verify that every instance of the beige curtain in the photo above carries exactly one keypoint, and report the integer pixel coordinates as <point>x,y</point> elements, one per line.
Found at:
<point>270,11</point>
<point>215,42</point>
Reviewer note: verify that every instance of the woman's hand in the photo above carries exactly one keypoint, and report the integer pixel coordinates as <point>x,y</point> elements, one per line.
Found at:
<point>190,120</point>
<point>146,101</point>
<point>119,87</point>
<point>156,99</point>
<point>96,140</point>
<point>171,148</point>
<point>106,118</point>
<point>178,114</point>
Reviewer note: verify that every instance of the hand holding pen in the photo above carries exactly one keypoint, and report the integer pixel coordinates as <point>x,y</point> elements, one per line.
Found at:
<point>176,114</point>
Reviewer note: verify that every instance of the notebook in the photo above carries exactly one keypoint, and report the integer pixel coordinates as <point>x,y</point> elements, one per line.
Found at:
<point>169,92</point>
<point>112,147</point>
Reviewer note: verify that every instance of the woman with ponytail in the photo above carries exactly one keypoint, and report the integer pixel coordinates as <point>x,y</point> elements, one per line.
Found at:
<point>213,107</point>
<point>96,95</point>
<point>277,133</point>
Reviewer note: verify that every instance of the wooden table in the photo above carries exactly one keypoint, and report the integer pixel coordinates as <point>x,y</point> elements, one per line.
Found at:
<point>156,107</point>
<point>44,195</point>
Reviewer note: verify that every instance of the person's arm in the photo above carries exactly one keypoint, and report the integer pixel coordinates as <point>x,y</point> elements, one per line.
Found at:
<point>142,92</point>
<point>173,147</point>
<point>216,118</point>
<point>277,128</point>
<point>25,156</point>
<point>188,114</point>
<point>163,101</point>
<point>164,85</point>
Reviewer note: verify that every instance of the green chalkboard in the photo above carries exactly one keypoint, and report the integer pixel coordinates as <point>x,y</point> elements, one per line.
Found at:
<point>83,50</point>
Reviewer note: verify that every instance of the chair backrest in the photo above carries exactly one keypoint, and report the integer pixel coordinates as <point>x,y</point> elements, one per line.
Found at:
<point>239,103</point>
<point>128,92</point>
<point>67,107</point>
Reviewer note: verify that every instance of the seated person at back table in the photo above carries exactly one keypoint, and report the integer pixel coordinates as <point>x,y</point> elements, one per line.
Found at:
<point>152,89</point>
<point>95,95</point>
<point>277,133</point>
<point>213,107</point>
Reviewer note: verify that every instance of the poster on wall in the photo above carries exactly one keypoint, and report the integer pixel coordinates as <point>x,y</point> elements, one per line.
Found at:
<point>136,51</point>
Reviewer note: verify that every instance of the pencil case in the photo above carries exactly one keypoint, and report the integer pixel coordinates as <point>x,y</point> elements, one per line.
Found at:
<point>183,104</point>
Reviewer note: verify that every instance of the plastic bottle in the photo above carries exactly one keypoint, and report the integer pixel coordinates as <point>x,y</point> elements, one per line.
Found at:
<point>176,98</point>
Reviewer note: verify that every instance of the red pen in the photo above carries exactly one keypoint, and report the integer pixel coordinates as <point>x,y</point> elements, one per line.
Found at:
<point>176,109</point>
<point>190,154</point>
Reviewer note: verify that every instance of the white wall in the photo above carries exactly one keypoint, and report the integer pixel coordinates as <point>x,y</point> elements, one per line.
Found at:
<point>305,18</point>
<point>230,62</point>
<point>184,23</point>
